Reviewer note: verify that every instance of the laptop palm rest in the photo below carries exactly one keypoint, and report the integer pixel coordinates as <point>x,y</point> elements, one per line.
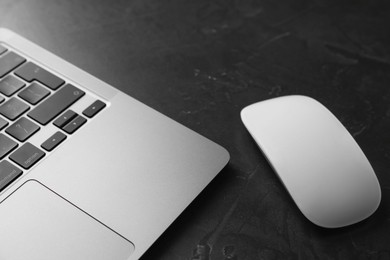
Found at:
<point>45,226</point>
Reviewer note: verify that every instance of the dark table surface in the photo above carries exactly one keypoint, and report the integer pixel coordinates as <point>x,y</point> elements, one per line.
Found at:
<point>200,62</point>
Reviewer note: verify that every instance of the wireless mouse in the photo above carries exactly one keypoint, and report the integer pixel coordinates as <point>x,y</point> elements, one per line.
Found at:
<point>318,161</point>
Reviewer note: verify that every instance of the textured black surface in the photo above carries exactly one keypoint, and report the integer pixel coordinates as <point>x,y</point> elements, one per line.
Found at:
<point>200,62</point>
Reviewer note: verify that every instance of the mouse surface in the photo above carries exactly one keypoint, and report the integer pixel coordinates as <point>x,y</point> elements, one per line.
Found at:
<point>318,161</point>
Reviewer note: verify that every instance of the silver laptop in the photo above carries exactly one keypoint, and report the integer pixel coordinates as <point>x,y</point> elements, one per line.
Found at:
<point>87,172</point>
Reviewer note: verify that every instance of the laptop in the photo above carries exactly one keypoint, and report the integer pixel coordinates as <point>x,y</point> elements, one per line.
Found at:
<point>86,171</point>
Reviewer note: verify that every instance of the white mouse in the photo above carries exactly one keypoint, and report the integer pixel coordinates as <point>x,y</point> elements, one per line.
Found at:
<point>318,161</point>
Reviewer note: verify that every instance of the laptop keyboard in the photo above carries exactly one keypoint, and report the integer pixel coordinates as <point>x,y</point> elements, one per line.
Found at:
<point>30,99</point>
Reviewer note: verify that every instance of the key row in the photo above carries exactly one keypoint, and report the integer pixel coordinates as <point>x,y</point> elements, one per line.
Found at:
<point>33,94</point>
<point>45,111</point>
<point>29,71</point>
<point>70,121</point>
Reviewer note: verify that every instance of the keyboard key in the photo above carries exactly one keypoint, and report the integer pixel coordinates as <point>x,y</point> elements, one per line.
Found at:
<point>8,173</point>
<point>9,61</point>
<point>2,49</point>
<point>13,108</point>
<point>75,124</point>
<point>1,99</point>
<point>53,141</point>
<point>6,145</point>
<point>27,155</point>
<point>34,93</point>
<point>30,71</point>
<point>64,118</point>
<point>93,109</point>
<point>3,123</point>
<point>56,104</point>
<point>10,84</point>
<point>22,129</point>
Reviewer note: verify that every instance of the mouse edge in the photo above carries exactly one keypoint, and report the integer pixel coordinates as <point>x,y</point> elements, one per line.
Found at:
<point>274,99</point>
<point>244,113</point>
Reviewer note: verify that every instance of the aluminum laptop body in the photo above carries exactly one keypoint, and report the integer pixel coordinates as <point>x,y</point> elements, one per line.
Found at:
<point>112,187</point>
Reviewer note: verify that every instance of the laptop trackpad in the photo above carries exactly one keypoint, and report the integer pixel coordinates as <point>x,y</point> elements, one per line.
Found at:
<point>45,226</point>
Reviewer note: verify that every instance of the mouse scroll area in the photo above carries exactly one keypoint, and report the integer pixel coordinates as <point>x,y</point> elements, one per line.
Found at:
<point>45,226</point>
<point>318,161</point>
